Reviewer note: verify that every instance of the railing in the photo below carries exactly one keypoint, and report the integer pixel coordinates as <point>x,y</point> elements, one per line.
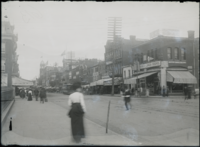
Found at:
<point>7,96</point>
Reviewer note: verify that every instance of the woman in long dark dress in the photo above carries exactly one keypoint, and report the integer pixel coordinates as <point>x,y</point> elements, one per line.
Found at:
<point>30,95</point>
<point>77,104</point>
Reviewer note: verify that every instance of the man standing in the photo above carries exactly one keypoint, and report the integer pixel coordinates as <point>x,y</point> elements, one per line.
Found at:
<point>127,98</point>
<point>185,92</point>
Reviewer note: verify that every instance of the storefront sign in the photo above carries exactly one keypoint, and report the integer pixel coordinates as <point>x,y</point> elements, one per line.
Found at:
<point>180,62</point>
<point>152,64</point>
<point>4,79</point>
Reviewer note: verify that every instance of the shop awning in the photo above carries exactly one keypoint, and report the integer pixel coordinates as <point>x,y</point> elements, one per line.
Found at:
<point>133,80</point>
<point>100,82</point>
<point>93,83</point>
<point>109,82</point>
<point>21,82</point>
<point>184,77</point>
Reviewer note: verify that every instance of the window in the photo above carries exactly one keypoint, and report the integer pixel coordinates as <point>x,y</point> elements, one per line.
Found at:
<point>176,53</point>
<point>2,65</point>
<point>152,53</point>
<point>156,53</point>
<point>124,74</point>
<point>129,73</point>
<point>3,48</point>
<point>141,58</point>
<point>183,54</point>
<point>169,53</point>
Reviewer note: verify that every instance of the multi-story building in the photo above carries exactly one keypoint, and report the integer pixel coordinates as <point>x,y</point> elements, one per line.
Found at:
<point>118,54</point>
<point>164,61</point>
<point>9,66</point>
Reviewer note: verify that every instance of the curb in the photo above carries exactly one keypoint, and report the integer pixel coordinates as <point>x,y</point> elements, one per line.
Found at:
<point>6,112</point>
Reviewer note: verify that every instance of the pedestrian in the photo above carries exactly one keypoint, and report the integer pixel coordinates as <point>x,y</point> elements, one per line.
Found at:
<point>147,92</point>
<point>76,113</point>
<point>36,94</point>
<point>141,90</point>
<point>30,93</point>
<point>42,95</point>
<point>167,91</point>
<point>163,91</point>
<point>185,90</point>
<point>127,98</point>
<point>189,92</point>
<point>23,93</point>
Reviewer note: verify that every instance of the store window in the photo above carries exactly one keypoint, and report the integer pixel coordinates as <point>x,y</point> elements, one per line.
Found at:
<point>183,53</point>
<point>176,53</point>
<point>169,53</point>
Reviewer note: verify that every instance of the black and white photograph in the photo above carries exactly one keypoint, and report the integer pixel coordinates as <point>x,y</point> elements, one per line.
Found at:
<point>120,73</point>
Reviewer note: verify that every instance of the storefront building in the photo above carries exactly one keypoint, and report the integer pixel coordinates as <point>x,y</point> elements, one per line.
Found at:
<point>163,61</point>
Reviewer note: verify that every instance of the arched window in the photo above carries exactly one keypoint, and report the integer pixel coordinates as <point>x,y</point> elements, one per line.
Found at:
<point>169,53</point>
<point>176,53</point>
<point>183,54</point>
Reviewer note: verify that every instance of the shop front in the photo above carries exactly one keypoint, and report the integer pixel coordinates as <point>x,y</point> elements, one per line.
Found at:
<point>108,85</point>
<point>177,80</point>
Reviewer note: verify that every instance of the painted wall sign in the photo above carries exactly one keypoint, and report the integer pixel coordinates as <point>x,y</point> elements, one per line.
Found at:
<point>151,64</point>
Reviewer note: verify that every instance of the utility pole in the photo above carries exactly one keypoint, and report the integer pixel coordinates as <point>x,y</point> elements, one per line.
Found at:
<point>114,36</point>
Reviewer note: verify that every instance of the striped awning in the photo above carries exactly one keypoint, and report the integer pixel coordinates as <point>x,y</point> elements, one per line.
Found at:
<point>184,77</point>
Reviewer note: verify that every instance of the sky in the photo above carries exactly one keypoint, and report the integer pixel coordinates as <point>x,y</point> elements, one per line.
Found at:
<point>47,29</point>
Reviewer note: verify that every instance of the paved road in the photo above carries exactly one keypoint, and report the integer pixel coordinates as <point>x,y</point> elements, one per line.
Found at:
<point>152,121</point>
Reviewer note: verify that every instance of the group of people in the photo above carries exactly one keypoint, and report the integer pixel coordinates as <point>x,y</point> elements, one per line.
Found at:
<point>29,93</point>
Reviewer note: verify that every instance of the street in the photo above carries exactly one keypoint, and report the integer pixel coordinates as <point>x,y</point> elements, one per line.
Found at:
<point>157,121</point>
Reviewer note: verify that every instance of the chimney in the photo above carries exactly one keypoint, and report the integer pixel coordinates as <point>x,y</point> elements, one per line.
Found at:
<point>191,34</point>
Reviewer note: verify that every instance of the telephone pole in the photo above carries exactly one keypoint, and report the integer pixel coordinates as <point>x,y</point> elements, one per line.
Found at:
<point>114,36</point>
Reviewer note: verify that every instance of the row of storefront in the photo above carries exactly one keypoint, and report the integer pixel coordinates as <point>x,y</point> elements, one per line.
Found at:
<point>162,74</point>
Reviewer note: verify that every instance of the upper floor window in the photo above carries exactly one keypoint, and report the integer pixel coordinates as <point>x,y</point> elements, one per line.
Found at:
<point>3,48</point>
<point>183,54</point>
<point>156,53</point>
<point>124,74</point>
<point>3,65</point>
<point>129,73</point>
<point>169,53</point>
<point>152,53</point>
<point>176,53</point>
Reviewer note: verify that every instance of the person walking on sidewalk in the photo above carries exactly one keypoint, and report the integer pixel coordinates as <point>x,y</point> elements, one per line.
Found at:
<point>30,95</point>
<point>36,93</point>
<point>163,91</point>
<point>185,92</point>
<point>127,98</point>
<point>77,105</point>
<point>42,95</point>
<point>167,91</point>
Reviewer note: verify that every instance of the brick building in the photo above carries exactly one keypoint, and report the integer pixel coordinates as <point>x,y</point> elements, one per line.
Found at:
<point>164,61</point>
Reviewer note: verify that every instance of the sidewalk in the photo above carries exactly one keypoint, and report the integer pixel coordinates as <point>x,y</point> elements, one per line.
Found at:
<point>34,123</point>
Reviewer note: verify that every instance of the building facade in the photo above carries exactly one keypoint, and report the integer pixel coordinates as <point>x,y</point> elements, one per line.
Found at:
<point>164,61</point>
<point>9,66</point>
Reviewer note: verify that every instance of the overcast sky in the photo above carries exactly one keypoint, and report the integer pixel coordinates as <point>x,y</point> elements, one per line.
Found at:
<point>47,29</point>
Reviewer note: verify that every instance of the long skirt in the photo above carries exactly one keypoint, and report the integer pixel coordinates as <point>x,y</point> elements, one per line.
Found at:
<point>77,126</point>
<point>29,97</point>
